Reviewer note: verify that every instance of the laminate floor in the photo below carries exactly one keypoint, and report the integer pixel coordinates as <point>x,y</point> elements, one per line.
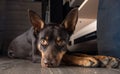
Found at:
<point>19,66</point>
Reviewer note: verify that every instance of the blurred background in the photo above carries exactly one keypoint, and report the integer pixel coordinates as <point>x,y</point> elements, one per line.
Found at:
<point>14,17</point>
<point>97,30</point>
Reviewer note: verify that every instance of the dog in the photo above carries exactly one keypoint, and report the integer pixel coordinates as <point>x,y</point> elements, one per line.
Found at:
<point>50,41</point>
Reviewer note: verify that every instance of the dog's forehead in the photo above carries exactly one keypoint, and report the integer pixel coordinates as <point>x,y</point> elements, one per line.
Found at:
<point>53,31</point>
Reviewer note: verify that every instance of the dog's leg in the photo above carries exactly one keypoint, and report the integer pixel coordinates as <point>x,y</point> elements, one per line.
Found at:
<point>92,61</point>
<point>35,56</point>
<point>33,51</point>
<point>85,61</point>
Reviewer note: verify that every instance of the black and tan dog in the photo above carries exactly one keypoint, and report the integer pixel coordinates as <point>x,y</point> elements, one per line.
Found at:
<point>51,41</point>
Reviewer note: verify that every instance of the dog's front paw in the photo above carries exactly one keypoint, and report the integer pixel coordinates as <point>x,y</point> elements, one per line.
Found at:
<point>113,62</point>
<point>109,62</point>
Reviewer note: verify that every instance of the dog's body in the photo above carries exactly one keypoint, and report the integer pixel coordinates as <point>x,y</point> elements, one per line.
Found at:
<point>51,41</point>
<point>22,45</point>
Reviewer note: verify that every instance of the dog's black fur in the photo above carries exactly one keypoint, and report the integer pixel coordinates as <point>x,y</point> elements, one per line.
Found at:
<point>49,39</point>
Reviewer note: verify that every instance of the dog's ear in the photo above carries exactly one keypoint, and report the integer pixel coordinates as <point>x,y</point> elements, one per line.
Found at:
<point>36,21</point>
<point>70,21</point>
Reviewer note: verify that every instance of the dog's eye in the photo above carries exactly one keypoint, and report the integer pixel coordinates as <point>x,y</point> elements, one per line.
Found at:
<point>44,42</point>
<point>60,43</point>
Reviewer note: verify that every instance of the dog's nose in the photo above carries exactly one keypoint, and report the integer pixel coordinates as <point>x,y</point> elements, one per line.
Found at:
<point>48,63</point>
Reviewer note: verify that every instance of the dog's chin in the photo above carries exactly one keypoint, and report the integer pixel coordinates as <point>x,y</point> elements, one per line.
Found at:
<point>54,65</point>
<point>49,66</point>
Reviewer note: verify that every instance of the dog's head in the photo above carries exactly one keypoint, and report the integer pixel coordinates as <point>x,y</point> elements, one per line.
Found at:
<point>52,39</point>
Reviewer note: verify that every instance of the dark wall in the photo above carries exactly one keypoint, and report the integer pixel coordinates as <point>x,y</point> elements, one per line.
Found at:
<point>109,27</point>
<point>14,19</point>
